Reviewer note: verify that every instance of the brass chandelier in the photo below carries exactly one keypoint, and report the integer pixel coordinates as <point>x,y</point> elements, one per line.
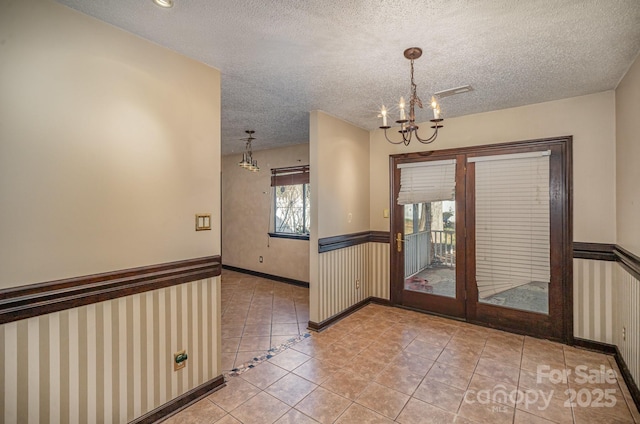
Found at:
<point>408,127</point>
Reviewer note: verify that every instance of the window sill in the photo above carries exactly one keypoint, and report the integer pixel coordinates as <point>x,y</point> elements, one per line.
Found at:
<point>290,236</point>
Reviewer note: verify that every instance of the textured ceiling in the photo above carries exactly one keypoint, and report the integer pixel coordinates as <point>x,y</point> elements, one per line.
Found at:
<point>282,59</point>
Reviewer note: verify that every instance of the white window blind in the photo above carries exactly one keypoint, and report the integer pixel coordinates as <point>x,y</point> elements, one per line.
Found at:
<point>512,221</point>
<point>431,181</point>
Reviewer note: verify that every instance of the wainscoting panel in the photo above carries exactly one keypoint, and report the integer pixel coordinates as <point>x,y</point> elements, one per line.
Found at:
<point>338,272</point>
<point>379,272</point>
<point>110,361</point>
<point>593,300</point>
<point>627,317</point>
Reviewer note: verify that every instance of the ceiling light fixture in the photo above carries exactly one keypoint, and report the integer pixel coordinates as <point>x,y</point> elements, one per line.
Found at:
<point>248,162</point>
<point>164,3</point>
<point>408,127</point>
<point>453,91</point>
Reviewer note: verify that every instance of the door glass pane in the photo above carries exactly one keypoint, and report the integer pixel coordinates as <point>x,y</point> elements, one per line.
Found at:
<point>512,232</point>
<point>408,219</point>
<point>430,248</point>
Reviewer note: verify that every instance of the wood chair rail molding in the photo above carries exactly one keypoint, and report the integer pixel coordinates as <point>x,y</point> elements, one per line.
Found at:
<point>17,303</point>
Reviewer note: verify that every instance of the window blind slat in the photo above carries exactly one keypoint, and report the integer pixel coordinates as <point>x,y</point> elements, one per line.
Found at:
<point>512,222</point>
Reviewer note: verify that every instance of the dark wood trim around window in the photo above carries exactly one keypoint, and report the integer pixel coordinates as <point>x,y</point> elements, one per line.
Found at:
<point>28,301</point>
<point>289,236</point>
<point>328,244</point>
<point>292,175</point>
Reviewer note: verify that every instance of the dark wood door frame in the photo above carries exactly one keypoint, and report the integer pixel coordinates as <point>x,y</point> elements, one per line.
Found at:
<point>453,307</point>
<point>561,233</point>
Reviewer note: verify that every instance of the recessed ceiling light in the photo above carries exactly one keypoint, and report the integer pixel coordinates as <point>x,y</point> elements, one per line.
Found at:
<point>164,3</point>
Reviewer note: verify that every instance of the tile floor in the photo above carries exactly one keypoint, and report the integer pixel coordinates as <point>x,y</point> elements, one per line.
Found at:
<point>258,314</point>
<point>384,365</point>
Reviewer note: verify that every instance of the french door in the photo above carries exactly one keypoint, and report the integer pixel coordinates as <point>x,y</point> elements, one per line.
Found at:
<point>484,234</point>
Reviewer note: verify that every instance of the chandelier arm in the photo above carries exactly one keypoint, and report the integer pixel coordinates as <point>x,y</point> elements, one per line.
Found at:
<point>403,141</point>
<point>430,139</point>
<point>406,136</point>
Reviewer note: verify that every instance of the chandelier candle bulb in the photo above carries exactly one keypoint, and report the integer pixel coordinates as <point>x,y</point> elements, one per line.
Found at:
<point>383,112</point>
<point>403,116</point>
<point>436,113</point>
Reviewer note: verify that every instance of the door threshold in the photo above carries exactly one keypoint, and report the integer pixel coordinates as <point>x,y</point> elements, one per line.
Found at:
<point>422,311</point>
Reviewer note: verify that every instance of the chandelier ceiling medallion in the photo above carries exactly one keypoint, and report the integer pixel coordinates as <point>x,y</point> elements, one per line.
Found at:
<point>408,127</point>
<point>248,162</point>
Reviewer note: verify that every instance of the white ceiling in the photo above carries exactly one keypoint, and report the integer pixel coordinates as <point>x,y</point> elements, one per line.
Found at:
<point>282,59</point>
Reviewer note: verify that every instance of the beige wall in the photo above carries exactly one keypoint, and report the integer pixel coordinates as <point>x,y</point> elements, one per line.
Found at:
<point>341,169</point>
<point>110,146</point>
<point>590,119</point>
<point>628,159</point>
<point>246,215</point>
<point>339,174</point>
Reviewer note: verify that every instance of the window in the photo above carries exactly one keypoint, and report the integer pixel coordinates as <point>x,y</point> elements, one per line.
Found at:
<point>512,229</point>
<point>291,206</point>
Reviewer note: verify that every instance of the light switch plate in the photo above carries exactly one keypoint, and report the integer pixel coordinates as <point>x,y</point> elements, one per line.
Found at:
<point>203,221</point>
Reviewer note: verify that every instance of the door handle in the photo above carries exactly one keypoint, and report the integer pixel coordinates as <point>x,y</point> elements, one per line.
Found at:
<point>399,241</point>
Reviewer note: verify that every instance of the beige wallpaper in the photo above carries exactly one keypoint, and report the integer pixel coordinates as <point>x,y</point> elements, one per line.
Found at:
<point>379,270</point>
<point>591,121</point>
<point>343,279</point>
<point>627,159</point>
<point>594,297</point>
<point>605,308</point>
<point>246,214</point>
<point>109,362</point>
<point>350,275</point>
<point>626,307</point>
<point>110,146</point>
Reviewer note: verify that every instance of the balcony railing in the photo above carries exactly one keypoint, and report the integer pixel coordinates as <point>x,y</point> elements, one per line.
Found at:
<point>427,249</point>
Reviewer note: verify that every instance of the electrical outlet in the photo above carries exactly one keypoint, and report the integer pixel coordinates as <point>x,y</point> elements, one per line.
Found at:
<point>260,259</point>
<point>624,333</point>
<point>357,284</point>
<point>179,360</point>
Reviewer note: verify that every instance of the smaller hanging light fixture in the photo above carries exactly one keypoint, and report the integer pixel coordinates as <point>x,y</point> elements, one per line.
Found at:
<point>248,162</point>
